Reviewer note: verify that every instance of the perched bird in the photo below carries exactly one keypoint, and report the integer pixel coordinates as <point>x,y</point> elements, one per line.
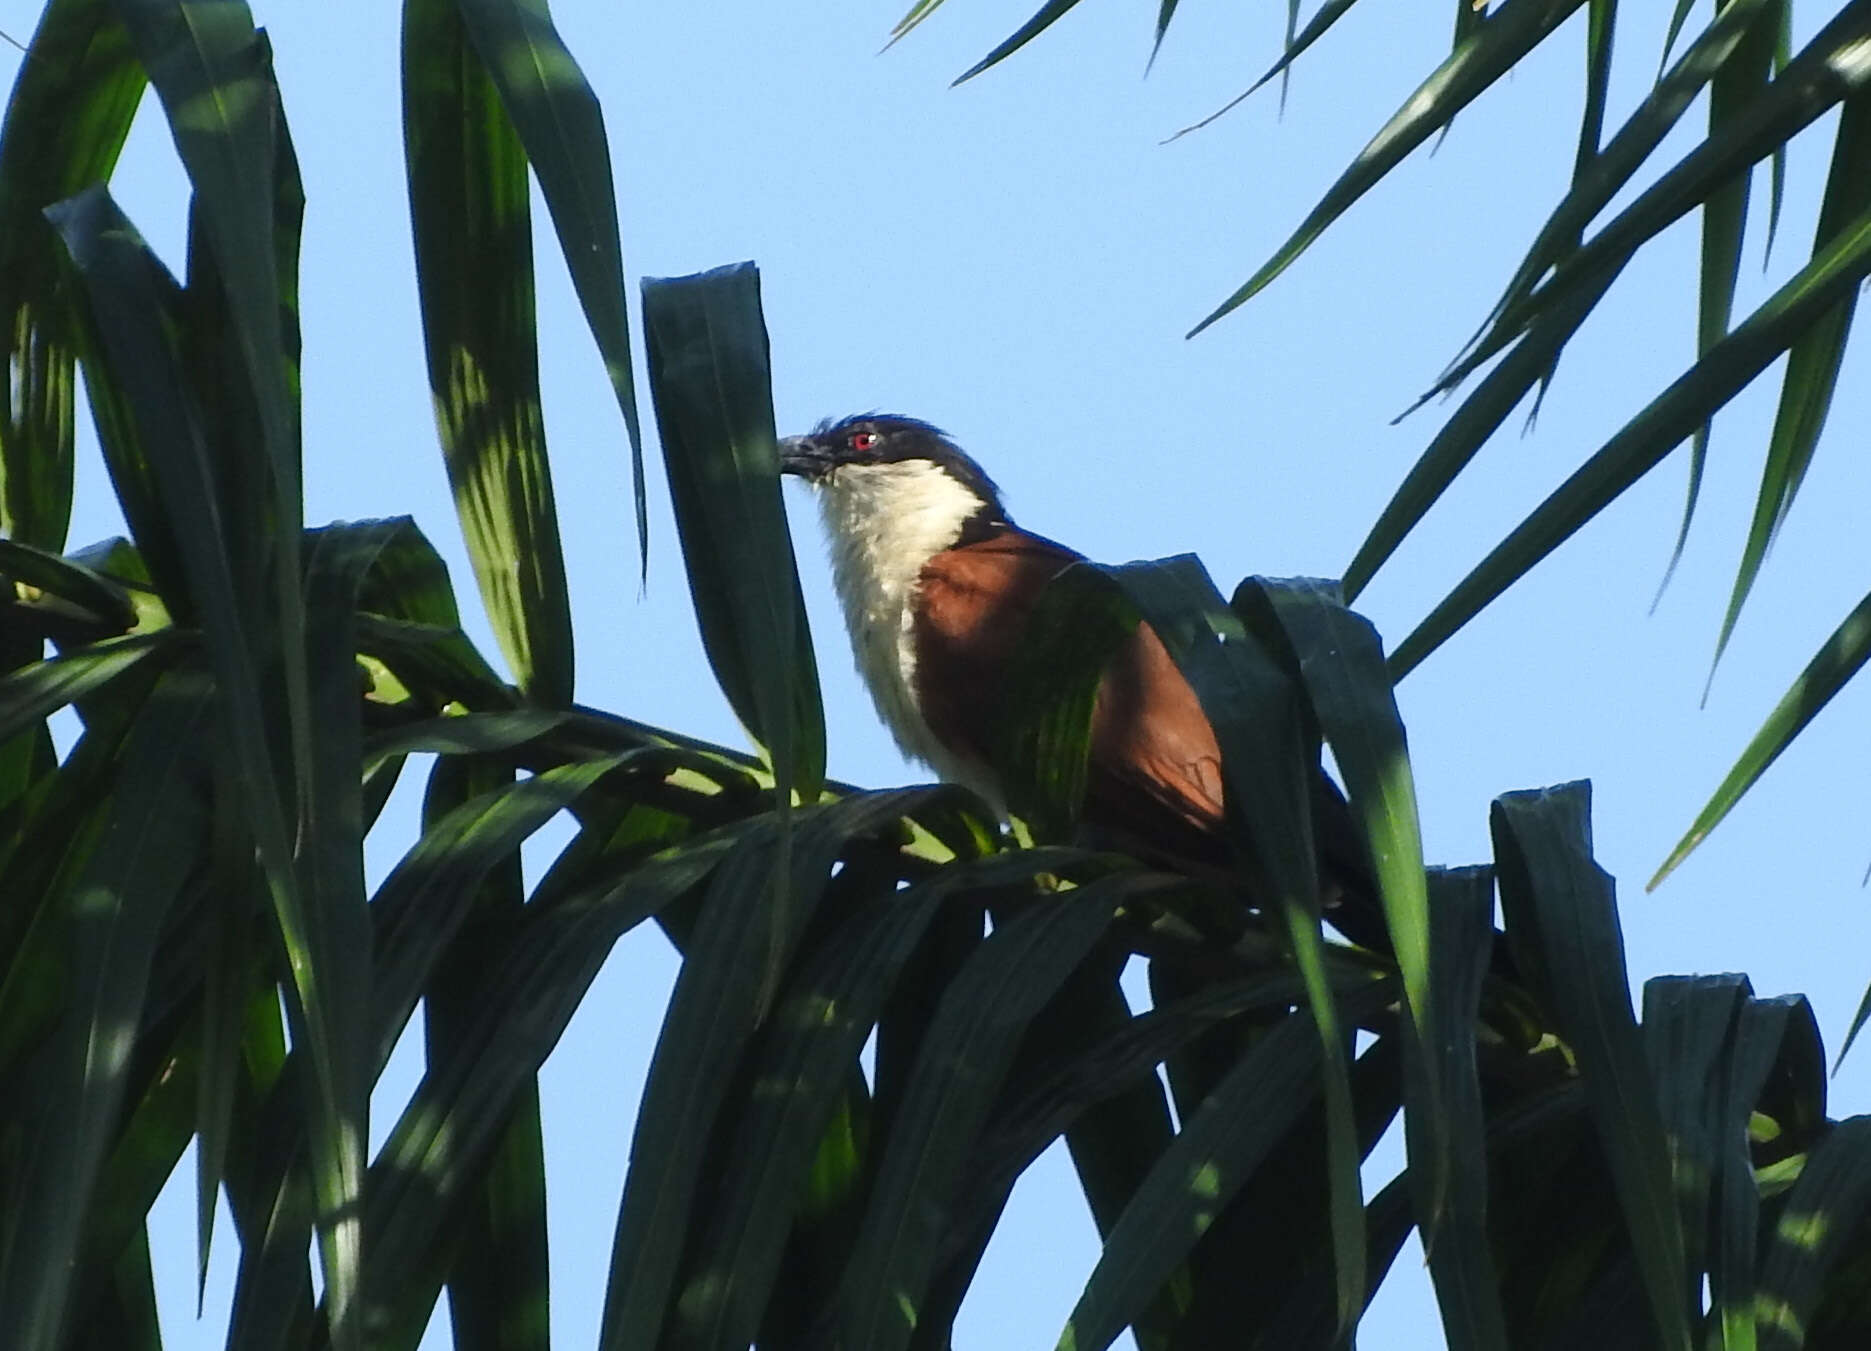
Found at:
<point>938,585</point>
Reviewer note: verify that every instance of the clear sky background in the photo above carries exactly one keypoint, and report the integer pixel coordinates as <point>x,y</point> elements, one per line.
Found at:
<point>1016,260</point>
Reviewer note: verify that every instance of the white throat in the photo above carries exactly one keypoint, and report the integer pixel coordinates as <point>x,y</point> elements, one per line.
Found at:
<point>885,521</point>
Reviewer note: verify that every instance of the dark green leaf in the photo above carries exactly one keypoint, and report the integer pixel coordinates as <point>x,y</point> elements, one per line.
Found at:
<point>1296,44</point>
<point>1690,1023</point>
<point>1218,1149</point>
<point>1512,31</point>
<point>1164,14</point>
<point>331,929</point>
<point>1051,685</point>
<point>472,222</point>
<point>1812,367</point>
<point>418,909</point>
<point>112,911</point>
<point>1677,18</point>
<point>1825,73</point>
<point>1562,919</point>
<point>1032,28</point>
<point>1766,1031</point>
<point>29,695</point>
<point>1269,762</point>
<point>1461,913</point>
<point>65,124</point>
<point>1480,414</point>
<point>497,1277</point>
<point>214,76</point>
<point>1834,664</point>
<point>442,1138</point>
<point>1640,445</point>
<point>797,1074</point>
<point>710,380</point>
<point>1039,1112</point>
<point>101,599</point>
<point>965,1055</point>
<point>739,951</point>
<point>560,124</point>
<point>1817,1221</point>
<point>1738,82</point>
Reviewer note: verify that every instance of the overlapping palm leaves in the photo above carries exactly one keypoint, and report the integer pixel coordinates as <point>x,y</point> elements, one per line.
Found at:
<point>189,949</point>
<point>1761,94</point>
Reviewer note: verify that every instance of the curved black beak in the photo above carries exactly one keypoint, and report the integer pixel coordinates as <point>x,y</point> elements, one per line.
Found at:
<point>804,456</point>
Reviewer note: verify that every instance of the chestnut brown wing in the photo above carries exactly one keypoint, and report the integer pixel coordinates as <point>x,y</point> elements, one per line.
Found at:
<point>1155,773</point>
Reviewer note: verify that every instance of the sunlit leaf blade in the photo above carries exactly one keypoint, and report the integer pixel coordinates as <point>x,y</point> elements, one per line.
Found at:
<point>559,122</point>
<point>65,124</point>
<point>1269,760</point>
<point>1031,29</point>
<point>472,223</point>
<point>1461,1263</point>
<point>1341,668</point>
<point>1834,664</point>
<point>1468,17</point>
<point>969,1047</point>
<point>725,993</point>
<point>459,1110</point>
<point>437,664</point>
<point>1218,1149</point>
<point>1342,672</point>
<point>917,13</point>
<point>711,382</point>
<point>1510,33</point>
<point>1640,445</point>
<point>1812,367</point>
<point>1816,1225</point>
<point>112,907</point>
<point>1562,920</point>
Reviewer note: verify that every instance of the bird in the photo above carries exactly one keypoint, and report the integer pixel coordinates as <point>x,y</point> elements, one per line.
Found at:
<point>938,586</point>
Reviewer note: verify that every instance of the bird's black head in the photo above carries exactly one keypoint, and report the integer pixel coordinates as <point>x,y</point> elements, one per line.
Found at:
<point>883,438</point>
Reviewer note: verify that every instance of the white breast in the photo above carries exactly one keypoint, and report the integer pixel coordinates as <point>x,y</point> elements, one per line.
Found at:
<point>885,521</point>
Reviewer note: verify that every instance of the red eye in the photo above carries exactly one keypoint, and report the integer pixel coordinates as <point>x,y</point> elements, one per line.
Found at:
<point>862,441</point>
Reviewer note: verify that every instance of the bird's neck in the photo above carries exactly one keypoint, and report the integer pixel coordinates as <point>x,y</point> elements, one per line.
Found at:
<point>885,522</point>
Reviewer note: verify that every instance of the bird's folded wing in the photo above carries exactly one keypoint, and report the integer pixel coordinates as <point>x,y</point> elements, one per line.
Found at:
<point>1155,767</point>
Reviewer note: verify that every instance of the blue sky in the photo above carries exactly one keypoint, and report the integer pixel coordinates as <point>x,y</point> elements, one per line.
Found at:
<point>1016,260</point>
